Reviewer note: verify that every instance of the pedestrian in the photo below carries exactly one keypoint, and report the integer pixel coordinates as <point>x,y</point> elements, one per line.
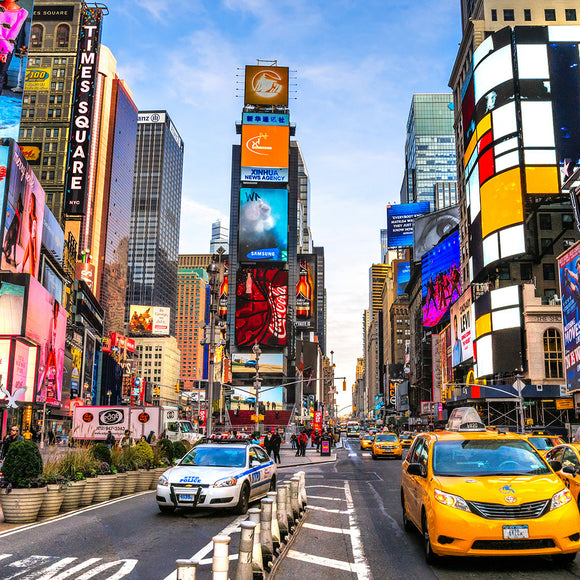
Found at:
<point>256,439</point>
<point>110,440</point>
<point>51,437</point>
<point>151,439</point>
<point>12,437</point>
<point>302,442</point>
<point>293,440</point>
<point>275,443</point>
<point>126,441</point>
<point>268,443</point>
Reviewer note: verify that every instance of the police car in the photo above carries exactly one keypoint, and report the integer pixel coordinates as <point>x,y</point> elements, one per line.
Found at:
<point>217,475</point>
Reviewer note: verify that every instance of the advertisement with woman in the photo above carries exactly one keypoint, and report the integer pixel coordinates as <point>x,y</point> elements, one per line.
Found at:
<point>46,325</point>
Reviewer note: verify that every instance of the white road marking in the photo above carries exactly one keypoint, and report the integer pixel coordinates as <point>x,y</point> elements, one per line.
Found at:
<point>352,455</point>
<point>2,556</point>
<point>327,510</point>
<point>328,562</point>
<point>326,529</point>
<point>325,498</point>
<point>325,486</point>
<point>379,502</point>
<point>366,454</point>
<point>362,566</point>
<point>72,572</point>
<point>127,567</point>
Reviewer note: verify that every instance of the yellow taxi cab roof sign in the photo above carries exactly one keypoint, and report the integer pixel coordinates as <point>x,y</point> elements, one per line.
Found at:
<point>465,419</point>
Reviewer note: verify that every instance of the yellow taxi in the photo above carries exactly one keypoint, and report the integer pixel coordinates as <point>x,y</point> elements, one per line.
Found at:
<point>406,438</point>
<point>386,445</point>
<point>565,461</point>
<point>543,442</point>
<point>476,492</point>
<point>367,441</point>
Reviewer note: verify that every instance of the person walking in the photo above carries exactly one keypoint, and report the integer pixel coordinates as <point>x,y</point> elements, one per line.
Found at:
<point>293,440</point>
<point>303,442</point>
<point>268,443</point>
<point>126,441</point>
<point>110,440</point>
<point>12,437</point>
<point>275,443</point>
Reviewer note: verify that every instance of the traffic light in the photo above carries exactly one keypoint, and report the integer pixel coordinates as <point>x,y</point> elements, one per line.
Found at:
<point>156,391</point>
<point>177,387</point>
<point>344,384</point>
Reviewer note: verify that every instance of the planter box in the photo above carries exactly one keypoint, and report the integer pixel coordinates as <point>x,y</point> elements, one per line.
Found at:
<point>89,491</point>
<point>130,482</point>
<point>52,501</point>
<point>21,506</point>
<point>159,471</point>
<point>104,487</point>
<point>118,485</point>
<point>72,496</point>
<point>145,478</point>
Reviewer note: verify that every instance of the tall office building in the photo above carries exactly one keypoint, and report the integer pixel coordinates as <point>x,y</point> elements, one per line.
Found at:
<point>219,237</point>
<point>155,212</point>
<point>303,197</point>
<point>429,148</point>
<point>320,298</point>
<point>377,276</point>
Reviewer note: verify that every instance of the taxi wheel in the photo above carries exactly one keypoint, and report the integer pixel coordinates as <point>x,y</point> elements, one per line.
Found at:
<point>430,556</point>
<point>563,560</point>
<point>407,525</point>
<point>166,509</point>
<point>273,484</point>
<point>244,501</point>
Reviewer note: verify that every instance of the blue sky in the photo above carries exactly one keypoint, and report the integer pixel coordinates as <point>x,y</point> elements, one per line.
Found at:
<point>356,66</point>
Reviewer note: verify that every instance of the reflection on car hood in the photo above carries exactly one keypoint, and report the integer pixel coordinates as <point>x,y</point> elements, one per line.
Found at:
<point>200,473</point>
<point>494,489</point>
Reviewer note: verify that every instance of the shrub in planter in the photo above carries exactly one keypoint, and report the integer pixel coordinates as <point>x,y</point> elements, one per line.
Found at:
<point>101,452</point>
<point>179,450</point>
<point>143,455</point>
<point>165,447</point>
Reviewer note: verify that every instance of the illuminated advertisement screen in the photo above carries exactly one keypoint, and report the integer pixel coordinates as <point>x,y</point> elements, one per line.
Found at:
<point>261,307</point>
<point>270,364</point>
<point>430,229</point>
<point>23,219</point>
<point>400,219</point>
<point>266,85</point>
<point>14,42</point>
<point>461,329</point>
<point>265,153</point>
<point>569,266</point>
<point>306,292</point>
<point>23,371</point>
<point>52,235</point>
<point>149,320</point>
<point>441,279</point>
<point>403,276</point>
<point>11,307</point>
<point>4,362</point>
<point>263,231</point>
<point>46,325</point>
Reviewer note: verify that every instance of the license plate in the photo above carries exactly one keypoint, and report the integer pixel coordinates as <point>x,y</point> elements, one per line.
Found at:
<point>187,496</point>
<point>515,533</point>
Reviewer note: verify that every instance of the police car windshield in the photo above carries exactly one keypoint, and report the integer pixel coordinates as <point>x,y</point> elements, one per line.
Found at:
<point>477,457</point>
<point>215,457</point>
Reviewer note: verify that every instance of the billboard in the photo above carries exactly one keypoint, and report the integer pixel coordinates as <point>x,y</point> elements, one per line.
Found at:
<point>461,329</point>
<point>79,153</point>
<point>23,218</point>
<point>441,279</point>
<point>265,119</point>
<point>261,307</point>
<point>52,235</point>
<point>270,364</point>
<point>263,230</point>
<point>306,307</point>
<point>266,85</point>
<point>37,79</point>
<point>431,228</point>
<point>14,42</point>
<point>149,320</point>
<point>400,219</point>
<point>24,371</point>
<point>11,307</point>
<point>32,152</point>
<point>403,276</point>
<point>569,266</point>
<point>265,153</point>
<point>46,325</point>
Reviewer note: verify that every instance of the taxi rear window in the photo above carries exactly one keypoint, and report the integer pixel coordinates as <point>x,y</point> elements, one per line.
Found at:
<point>215,457</point>
<point>541,443</point>
<point>486,457</point>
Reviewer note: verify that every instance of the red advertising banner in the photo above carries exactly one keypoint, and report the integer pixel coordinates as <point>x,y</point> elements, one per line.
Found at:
<point>317,421</point>
<point>202,417</point>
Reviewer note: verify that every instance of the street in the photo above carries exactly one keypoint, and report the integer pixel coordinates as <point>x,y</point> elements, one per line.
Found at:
<point>352,530</point>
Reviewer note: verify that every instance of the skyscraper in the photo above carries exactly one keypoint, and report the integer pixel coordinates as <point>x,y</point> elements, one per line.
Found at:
<point>154,238</point>
<point>219,237</point>
<point>430,147</point>
<point>320,298</point>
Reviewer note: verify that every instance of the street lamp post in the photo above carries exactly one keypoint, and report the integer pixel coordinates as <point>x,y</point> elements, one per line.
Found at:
<point>213,272</point>
<point>257,383</point>
<point>109,397</point>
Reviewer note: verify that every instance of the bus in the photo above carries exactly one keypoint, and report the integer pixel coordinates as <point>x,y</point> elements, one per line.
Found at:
<point>353,429</point>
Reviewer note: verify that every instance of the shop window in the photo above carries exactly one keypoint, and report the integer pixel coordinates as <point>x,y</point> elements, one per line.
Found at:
<point>553,354</point>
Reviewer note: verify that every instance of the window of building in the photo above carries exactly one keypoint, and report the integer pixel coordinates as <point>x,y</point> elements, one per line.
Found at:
<point>62,35</point>
<point>545,221</point>
<point>57,86</point>
<point>550,14</point>
<point>547,246</point>
<point>567,221</point>
<point>55,99</point>
<point>508,15</point>
<point>29,99</point>
<point>504,271</point>
<point>553,354</point>
<point>526,271</point>
<point>527,15</point>
<point>549,272</point>
<point>36,36</point>
<point>571,14</point>
<point>26,133</point>
<point>494,15</point>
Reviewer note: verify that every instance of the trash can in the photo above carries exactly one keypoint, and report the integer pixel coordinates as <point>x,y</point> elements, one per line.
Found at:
<point>325,446</point>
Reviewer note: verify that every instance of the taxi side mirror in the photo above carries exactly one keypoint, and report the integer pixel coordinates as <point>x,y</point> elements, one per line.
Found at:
<point>555,465</point>
<point>569,469</point>
<point>416,469</point>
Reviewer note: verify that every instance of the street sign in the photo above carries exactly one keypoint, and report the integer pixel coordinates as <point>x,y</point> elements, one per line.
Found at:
<point>519,386</point>
<point>564,404</point>
<point>137,382</point>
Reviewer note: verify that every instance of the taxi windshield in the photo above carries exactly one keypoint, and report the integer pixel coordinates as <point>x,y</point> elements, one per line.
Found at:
<point>541,443</point>
<point>474,457</point>
<point>369,437</point>
<point>386,438</point>
<point>215,457</point>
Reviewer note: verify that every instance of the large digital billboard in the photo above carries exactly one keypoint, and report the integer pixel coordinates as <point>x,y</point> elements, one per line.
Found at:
<point>461,329</point>
<point>263,230</point>
<point>270,364</point>
<point>441,279</point>
<point>149,320</point>
<point>266,85</point>
<point>261,307</point>
<point>569,266</point>
<point>431,228</point>
<point>23,218</point>
<point>400,219</point>
<point>12,297</point>
<point>403,274</point>
<point>306,305</point>
<point>265,153</point>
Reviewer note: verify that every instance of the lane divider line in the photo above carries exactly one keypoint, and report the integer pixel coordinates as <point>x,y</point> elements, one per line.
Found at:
<point>325,498</point>
<point>363,570</point>
<point>328,510</point>
<point>321,561</point>
<point>328,529</point>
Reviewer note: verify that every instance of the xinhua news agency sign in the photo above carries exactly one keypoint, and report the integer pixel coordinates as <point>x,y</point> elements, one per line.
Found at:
<point>77,170</point>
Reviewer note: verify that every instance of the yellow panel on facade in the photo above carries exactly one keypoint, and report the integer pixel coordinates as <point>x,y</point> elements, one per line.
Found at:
<point>501,202</point>
<point>542,180</point>
<point>483,126</point>
<point>469,149</point>
<point>483,325</point>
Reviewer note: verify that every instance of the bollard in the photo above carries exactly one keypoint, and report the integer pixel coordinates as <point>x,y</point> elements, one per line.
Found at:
<point>294,499</point>
<point>221,557</point>
<point>289,514</point>
<point>186,569</point>
<point>245,569</point>
<point>303,498</point>
<point>266,529</point>
<point>274,525</point>
<point>257,559</point>
<point>282,515</point>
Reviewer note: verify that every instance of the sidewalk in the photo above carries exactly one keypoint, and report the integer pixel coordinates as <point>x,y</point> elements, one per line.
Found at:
<point>289,459</point>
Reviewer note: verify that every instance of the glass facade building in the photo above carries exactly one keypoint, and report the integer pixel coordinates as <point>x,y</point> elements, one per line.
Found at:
<point>429,148</point>
<point>154,239</point>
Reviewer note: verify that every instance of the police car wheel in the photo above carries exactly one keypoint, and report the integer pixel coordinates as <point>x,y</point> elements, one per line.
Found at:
<point>244,501</point>
<point>166,509</point>
<point>273,483</point>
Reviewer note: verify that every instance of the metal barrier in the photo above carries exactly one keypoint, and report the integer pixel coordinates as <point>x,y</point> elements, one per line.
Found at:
<point>221,557</point>
<point>186,569</point>
<point>274,524</point>
<point>245,569</point>
<point>257,556</point>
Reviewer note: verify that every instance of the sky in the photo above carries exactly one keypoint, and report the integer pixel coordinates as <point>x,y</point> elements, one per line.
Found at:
<point>354,68</point>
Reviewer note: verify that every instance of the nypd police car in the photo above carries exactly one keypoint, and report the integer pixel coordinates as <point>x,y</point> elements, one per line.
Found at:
<point>217,475</point>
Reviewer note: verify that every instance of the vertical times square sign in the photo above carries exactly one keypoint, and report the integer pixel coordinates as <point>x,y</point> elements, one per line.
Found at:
<point>77,167</point>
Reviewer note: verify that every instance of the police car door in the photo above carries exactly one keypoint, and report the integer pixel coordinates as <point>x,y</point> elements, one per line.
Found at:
<point>256,475</point>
